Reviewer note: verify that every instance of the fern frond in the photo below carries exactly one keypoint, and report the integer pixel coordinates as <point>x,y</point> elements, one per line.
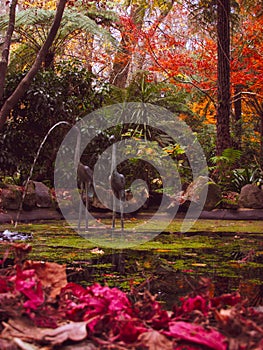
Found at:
<point>232,154</point>
<point>72,21</point>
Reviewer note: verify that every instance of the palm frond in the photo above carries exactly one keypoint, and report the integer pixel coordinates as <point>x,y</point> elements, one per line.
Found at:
<point>72,21</point>
<point>21,58</point>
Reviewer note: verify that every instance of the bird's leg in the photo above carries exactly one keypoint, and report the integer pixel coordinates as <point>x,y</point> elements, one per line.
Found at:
<point>80,205</point>
<point>114,212</point>
<point>87,206</point>
<point>121,210</point>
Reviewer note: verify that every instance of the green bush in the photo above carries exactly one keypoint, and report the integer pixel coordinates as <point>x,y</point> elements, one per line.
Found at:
<point>68,93</point>
<point>242,177</point>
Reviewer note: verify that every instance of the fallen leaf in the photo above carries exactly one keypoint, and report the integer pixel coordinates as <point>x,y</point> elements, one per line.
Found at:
<point>155,341</point>
<point>85,345</point>
<point>25,330</point>
<point>7,344</point>
<point>197,334</point>
<point>22,328</point>
<point>75,331</point>
<point>51,275</point>
<point>24,346</point>
<point>97,251</point>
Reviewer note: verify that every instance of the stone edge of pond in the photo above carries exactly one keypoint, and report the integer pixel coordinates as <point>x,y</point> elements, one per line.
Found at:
<point>40,214</point>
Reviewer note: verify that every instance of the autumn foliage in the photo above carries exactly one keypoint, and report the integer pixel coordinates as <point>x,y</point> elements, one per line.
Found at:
<point>38,306</point>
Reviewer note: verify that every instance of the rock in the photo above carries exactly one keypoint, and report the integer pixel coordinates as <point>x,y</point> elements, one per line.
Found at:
<point>102,198</point>
<point>195,192</point>
<point>43,196</point>
<point>251,196</point>
<point>29,201</point>
<point>10,197</point>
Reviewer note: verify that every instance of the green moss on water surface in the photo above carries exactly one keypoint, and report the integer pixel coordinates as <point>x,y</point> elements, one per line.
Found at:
<point>213,248</point>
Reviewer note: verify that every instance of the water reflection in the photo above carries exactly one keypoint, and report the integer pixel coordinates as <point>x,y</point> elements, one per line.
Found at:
<point>173,274</point>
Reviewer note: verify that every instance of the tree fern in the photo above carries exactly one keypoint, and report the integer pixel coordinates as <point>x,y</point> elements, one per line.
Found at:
<point>32,26</point>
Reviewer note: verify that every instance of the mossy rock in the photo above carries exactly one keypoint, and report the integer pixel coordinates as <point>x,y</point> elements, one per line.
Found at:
<point>201,187</point>
<point>10,197</point>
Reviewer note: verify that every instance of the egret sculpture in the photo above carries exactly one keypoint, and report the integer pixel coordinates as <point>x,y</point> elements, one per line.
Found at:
<point>85,180</point>
<point>117,182</point>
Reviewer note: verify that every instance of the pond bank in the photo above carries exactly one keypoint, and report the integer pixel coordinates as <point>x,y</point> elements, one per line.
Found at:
<point>10,216</point>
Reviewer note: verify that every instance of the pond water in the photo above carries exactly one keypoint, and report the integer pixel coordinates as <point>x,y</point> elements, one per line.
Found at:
<point>173,266</point>
<point>170,265</point>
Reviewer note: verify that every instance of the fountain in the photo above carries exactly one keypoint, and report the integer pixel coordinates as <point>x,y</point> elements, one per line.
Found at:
<point>10,235</point>
<point>33,165</point>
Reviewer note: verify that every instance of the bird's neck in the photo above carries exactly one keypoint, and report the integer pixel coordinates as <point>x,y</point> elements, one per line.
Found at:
<point>113,158</point>
<point>77,149</point>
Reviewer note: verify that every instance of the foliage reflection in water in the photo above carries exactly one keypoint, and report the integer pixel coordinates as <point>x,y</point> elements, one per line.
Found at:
<point>171,270</point>
<point>169,266</point>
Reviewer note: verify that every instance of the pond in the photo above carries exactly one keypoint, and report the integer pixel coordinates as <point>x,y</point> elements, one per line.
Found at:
<point>172,264</point>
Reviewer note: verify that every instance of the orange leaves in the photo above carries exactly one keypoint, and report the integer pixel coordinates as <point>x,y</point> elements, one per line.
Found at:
<point>205,109</point>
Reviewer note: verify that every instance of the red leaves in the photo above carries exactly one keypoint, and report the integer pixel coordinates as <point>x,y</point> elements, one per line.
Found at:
<point>4,288</point>
<point>226,299</point>
<point>107,316</point>
<point>197,303</point>
<point>197,334</point>
<point>28,284</point>
<point>103,308</point>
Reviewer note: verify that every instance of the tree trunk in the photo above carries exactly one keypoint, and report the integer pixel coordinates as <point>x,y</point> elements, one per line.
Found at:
<point>223,76</point>
<point>261,139</point>
<point>122,60</point>
<point>26,81</point>
<point>6,46</point>
<point>238,116</point>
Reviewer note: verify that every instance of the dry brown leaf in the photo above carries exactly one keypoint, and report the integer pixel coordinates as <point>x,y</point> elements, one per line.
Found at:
<point>51,275</point>
<point>75,331</point>
<point>25,346</point>
<point>85,345</point>
<point>21,328</point>
<point>24,329</point>
<point>155,341</point>
<point>7,344</point>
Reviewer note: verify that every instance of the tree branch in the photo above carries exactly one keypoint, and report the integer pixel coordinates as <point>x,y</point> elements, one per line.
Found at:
<point>6,46</point>
<point>26,81</point>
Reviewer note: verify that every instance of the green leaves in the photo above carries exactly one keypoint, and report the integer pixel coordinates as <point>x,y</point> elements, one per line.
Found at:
<point>32,26</point>
<point>229,156</point>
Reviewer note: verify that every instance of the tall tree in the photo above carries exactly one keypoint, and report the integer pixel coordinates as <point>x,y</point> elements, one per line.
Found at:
<point>25,82</point>
<point>130,55</point>
<point>223,76</point>
<point>6,46</point>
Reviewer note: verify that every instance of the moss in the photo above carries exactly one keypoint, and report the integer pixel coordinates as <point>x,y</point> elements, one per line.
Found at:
<point>212,248</point>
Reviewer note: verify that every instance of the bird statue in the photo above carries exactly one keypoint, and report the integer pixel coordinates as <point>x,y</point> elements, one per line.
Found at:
<point>117,182</point>
<point>85,181</point>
